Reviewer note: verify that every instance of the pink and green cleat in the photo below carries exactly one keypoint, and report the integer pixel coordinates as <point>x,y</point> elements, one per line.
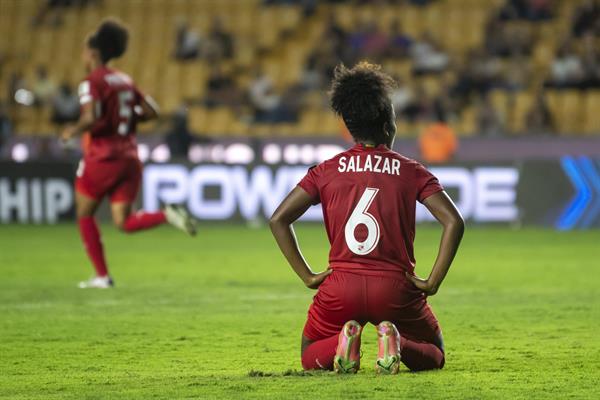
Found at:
<point>388,357</point>
<point>347,354</point>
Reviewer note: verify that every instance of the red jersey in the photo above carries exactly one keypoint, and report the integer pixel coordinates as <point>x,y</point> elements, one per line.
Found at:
<point>115,97</point>
<point>369,196</point>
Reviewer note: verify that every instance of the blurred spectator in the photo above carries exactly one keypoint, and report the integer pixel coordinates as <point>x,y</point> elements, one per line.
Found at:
<point>291,103</point>
<point>489,122</point>
<point>425,107</point>
<point>51,11</point>
<point>520,40</point>
<point>517,73</point>
<point>263,97</point>
<point>368,41</point>
<point>540,10</point>
<point>44,87</point>
<point>65,105</point>
<point>566,70</point>
<point>399,41</point>
<point>421,3</point>
<point>220,42</point>
<point>495,42</point>
<point>590,62</point>
<point>437,143</point>
<point>335,38</point>
<point>179,137</point>
<point>16,82</point>
<point>539,118</point>
<point>376,42</point>
<point>187,42</point>
<point>6,126</point>
<point>428,56</point>
<point>587,18</point>
<point>312,76</point>
<point>420,106</point>
<point>308,6</point>
<point>481,73</point>
<point>270,107</point>
<point>221,89</point>
<point>507,40</point>
<point>3,59</point>
<point>533,10</point>
<point>402,96</point>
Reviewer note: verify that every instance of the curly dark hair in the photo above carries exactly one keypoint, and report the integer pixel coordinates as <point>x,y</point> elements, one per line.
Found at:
<point>110,39</point>
<point>361,96</point>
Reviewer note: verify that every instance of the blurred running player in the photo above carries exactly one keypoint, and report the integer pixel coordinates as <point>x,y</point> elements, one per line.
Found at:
<point>368,195</point>
<point>111,106</point>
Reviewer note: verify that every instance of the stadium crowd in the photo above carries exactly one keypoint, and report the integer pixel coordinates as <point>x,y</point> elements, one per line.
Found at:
<point>502,63</point>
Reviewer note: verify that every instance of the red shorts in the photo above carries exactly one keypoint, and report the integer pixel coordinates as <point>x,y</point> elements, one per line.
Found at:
<point>120,179</point>
<point>344,296</point>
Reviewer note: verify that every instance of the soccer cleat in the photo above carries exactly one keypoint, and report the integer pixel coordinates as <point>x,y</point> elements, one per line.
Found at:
<point>97,282</point>
<point>180,219</point>
<point>388,357</point>
<point>347,354</point>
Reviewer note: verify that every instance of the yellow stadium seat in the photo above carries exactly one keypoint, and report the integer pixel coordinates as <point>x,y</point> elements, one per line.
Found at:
<point>522,103</point>
<point>592,112</point>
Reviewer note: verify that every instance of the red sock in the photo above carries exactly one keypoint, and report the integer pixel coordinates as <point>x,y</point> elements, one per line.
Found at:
<point>93,245</point>
<point>320,354</point>
<point>421,356</point>
<point>143,220</point>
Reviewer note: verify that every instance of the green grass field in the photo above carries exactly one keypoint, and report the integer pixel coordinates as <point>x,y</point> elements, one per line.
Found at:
<point>220,316</point>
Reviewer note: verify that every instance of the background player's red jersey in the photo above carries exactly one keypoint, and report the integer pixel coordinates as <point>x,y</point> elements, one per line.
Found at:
<point>115,97</point>
<point>369,197</point>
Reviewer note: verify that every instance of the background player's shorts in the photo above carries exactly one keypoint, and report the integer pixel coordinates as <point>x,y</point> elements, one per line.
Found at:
<point>344,296</point>
<point>119,179</point>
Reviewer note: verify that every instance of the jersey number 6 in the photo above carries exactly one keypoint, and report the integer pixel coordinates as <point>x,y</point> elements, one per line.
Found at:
<point>360,216</point>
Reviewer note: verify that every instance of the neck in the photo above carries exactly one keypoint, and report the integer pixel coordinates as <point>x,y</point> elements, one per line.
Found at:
<point>95,64</point>
<point>371,144</point>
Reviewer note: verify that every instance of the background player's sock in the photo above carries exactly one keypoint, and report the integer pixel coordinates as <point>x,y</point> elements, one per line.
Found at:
<point>319,355</point>
<point>421,356</point>
<point>143,220</point>
<point>93,245</point>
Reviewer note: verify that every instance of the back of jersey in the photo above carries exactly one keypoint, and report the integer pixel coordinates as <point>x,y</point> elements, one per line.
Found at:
<point>115,98</point>
<point>369,197</point>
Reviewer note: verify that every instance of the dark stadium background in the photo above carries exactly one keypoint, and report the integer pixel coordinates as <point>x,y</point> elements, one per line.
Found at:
<point>242,88</point>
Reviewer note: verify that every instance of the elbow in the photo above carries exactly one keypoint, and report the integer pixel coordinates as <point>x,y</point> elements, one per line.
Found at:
<point>87,121</point>
<point>274,221</point>
<point>277,220</point>
<point>154,114</point>
<point>455,223</point>
<point>459,224</point>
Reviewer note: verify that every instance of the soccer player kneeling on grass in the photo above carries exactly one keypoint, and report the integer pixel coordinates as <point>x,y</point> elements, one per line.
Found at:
<point>111,106</point>
<point>368,195</point>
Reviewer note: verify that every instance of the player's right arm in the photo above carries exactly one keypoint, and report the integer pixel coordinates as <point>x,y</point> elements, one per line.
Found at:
<point>444,210</point>
<point>85,122</point>
<point>89,95</point>
<point>292,208</point>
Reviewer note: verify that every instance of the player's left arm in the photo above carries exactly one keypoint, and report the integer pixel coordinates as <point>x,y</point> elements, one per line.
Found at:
<point>147,109</point>
<point>444,210</point>
<point>85,122</point>
<point>292,208</point>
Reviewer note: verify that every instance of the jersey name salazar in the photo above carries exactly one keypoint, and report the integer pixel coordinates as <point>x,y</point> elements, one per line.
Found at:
<point>369,163</point>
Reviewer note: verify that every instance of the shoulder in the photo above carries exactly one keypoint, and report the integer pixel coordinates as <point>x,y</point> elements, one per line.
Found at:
<point>126,78</point>
<point>331,163</point>
<point>405,161</point>
<point>94,79</point>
